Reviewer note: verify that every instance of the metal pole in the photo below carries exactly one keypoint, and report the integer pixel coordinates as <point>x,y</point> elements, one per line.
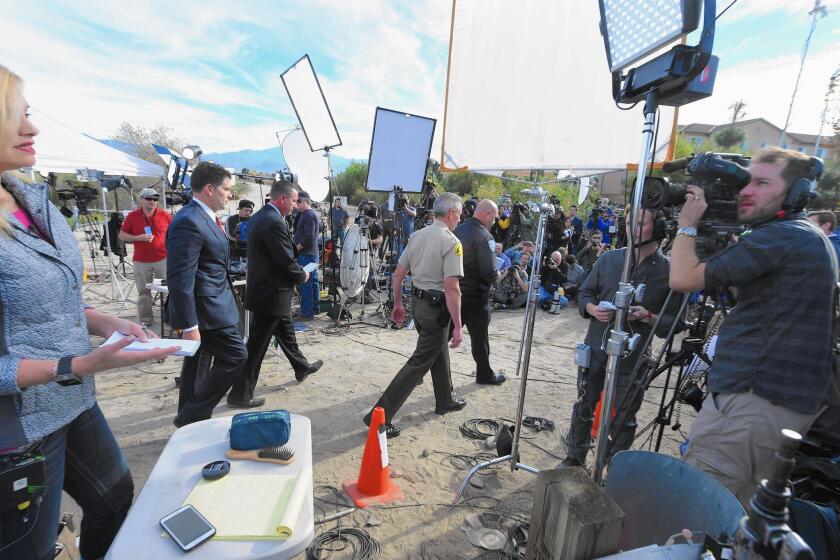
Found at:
<point>528,329</point>
<point>832,83</point>
<point>618,341</point>
<point>818,10</point>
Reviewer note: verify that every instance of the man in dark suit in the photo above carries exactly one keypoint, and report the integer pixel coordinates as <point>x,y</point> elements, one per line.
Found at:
<point>272,275</point>
<point>201,298</point>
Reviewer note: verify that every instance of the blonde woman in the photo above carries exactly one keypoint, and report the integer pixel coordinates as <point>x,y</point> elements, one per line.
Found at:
<point>47,394</point>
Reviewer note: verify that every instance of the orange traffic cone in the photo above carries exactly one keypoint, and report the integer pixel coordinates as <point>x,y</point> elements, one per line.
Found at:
<point>597,419</point>
<point>374,485</point>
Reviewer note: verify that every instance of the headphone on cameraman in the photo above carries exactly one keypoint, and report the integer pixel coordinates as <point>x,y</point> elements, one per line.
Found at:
<point>803,189</point>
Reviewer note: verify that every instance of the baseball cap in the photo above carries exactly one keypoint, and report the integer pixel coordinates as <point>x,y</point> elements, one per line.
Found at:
<point>245,203</point>
<point>149,192</point>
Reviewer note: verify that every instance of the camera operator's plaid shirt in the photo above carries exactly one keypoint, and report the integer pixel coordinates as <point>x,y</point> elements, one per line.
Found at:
<point>776,341</point>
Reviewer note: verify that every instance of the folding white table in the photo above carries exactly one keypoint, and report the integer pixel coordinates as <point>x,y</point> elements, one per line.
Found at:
<point>176,473</point>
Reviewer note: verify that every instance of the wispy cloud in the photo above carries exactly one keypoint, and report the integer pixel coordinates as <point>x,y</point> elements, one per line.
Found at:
<point>210,69</point>
<point>766,86</point>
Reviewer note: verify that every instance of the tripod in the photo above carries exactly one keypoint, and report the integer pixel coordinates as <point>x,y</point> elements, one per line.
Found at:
<point>693,353</point>
<point>92,236</point>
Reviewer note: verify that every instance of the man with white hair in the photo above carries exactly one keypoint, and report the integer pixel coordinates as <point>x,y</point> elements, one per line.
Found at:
<point>479,276</point>
<point>434,257</point>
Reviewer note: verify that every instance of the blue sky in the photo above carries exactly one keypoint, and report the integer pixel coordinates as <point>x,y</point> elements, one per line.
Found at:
<point>210,69</point>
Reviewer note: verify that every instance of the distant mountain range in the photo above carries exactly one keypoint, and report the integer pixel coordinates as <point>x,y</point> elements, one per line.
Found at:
<point>267,160</point>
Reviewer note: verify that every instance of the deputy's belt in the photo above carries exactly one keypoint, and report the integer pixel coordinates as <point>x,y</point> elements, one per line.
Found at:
<point>433,297</point>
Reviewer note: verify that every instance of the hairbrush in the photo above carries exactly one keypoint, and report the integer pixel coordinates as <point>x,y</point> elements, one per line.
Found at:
<point>282,455</point>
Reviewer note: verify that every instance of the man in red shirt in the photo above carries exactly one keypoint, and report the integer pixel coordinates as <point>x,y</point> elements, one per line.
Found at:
<point>146,227</point>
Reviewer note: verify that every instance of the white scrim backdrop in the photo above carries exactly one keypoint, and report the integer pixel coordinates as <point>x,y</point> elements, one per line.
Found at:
<point>529,88</point>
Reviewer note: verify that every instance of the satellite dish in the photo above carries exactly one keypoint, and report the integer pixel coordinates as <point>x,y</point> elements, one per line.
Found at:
<point>355,261</point>
<point>584,190</point>
<point>310,167</point>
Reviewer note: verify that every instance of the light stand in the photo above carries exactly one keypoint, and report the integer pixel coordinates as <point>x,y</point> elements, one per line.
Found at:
<point>619,341</point>
<point>524,359</point>
<point>672,78</point>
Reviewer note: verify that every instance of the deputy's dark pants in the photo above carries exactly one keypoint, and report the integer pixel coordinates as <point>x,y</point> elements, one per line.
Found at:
<point>431,353</point>
<point>263,327</point>
<point>475,313</point>
<point>590,384</point>
<point>202,385</point>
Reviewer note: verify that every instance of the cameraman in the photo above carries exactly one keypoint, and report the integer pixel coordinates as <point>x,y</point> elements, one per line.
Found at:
<point>601,285</point>
<point>555,229</point>
<point>591,251</point>
<point>553,276</point>
<point>773,363</point>
<point>512,287</point>
<point>577,227</point>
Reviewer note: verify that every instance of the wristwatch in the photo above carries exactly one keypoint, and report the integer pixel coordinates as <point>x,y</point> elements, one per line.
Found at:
<point>63,372</point>
<point>689,231</point>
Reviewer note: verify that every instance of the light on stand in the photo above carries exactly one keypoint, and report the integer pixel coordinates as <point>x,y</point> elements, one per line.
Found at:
<point>191,152</point>
<point>633,29</point>
<point>681,75</point>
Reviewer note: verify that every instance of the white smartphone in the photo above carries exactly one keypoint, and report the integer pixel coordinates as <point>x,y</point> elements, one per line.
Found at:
<point>187,527</point>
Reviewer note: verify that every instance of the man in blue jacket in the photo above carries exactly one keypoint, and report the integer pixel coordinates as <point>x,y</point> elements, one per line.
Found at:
<point>201,299</point>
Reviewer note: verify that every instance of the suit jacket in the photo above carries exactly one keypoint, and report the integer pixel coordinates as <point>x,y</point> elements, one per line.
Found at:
<point>272,268</point>
<point>200,288</point>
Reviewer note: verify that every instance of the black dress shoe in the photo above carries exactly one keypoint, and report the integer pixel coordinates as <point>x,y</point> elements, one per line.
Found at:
<point>253,402</point>
<point>451,406</point>
<point>497,379</point>
<point>391,430</point>
<point>313,367</point>
<point>569,462</point>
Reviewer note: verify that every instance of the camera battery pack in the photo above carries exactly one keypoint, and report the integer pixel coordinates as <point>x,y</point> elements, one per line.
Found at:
<point>21,480</point>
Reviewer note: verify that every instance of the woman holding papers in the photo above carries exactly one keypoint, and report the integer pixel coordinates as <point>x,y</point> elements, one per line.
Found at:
<point>47,395</point>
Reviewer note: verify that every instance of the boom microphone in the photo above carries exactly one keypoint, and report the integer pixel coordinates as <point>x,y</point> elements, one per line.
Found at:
<point>675,164</point>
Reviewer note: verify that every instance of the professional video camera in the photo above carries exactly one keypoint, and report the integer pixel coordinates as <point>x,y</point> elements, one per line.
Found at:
<point>368,211</point>
<point>178,197</point>
<point>400,201</point>
<point>82,194</point>
<point>721,176</point>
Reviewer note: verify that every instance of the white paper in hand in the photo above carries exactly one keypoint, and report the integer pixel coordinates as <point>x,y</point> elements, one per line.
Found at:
<point>188,347</point>
<point>607,305</point>
<point>310,267</point>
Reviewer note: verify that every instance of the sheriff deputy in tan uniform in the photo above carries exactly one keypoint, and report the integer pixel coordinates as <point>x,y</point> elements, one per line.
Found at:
<point>434,257</point>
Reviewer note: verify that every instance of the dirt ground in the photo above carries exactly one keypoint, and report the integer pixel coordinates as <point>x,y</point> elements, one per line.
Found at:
<point>427,459</point>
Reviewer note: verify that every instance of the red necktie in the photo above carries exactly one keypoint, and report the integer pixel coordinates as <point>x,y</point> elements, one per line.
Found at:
<point>220,224</point>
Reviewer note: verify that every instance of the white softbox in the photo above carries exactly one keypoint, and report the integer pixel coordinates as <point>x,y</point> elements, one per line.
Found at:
<point>528,87</point>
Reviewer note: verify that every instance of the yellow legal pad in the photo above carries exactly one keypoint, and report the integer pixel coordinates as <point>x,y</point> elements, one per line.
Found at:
<point>252,507</point>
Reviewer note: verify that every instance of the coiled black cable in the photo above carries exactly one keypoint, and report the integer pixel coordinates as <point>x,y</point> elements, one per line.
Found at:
<point>339,539</point>
<point>472,428</point>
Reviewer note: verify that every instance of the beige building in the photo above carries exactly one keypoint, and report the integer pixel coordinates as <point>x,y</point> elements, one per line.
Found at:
<point>761,133</point>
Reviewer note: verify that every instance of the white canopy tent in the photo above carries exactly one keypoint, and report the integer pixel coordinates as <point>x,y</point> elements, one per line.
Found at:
<point>61,149</point>
<point>528,87</point>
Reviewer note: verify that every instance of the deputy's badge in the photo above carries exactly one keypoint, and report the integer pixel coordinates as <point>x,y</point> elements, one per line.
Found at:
<point>459,249</point>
